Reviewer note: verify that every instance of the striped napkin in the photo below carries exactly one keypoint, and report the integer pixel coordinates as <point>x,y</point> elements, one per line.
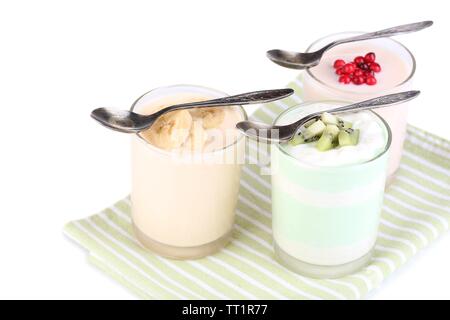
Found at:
<point>416,211</point>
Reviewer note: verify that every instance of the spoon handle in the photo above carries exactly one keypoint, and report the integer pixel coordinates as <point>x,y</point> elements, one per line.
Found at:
<point>379,102</point>
<point>262,96</point>
<point>405,28</point>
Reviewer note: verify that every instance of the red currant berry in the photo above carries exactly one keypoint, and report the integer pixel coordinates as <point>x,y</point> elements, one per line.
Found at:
<point>348,68</point>
<point>340,71</point>
<point>375,67</point>
<point>370,57</point>
<point>364,66</point>
<point>358,72</point>
<point>371,80</point>
<point>339,63</point>
<point>358,60</point>
<point>344,79</point>
<point>357,80</point>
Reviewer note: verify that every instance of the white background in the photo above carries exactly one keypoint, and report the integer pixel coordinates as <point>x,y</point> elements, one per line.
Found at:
<point>60,59</point>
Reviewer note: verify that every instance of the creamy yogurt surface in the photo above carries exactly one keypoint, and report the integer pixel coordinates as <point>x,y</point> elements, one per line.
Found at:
<point>394,68</point>
<point>372,141</point>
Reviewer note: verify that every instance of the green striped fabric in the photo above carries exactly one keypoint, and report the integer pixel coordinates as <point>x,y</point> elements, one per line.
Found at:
<point>416,211</point>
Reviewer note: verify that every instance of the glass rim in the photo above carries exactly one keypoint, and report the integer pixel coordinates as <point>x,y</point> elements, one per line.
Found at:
<point>178,86</point>
<point>411,74</point>
<point>384,122</point>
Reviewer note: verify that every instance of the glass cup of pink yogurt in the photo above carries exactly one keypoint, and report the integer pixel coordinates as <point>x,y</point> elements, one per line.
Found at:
<point>397,69</point>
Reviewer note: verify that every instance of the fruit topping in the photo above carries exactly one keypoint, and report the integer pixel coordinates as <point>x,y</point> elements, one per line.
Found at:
<point>314,129</point>
<point>342,124</point>
<point>310,122</point>
<point>300,139</point>
<point>375,67</point>
<point>197,135</point>
<point>329,131</point>
<point>185,129</point>
<point>328,118</point>
<point>371,80</point>
<point>212,116</point>
<point>339,71</point>
<point>358,60</point>
<point>348,137</point>
<point>369,57</point>
<point>361,71</point>
<point>171,130</point>
<point>348,68</point>
<point>345,79</point>
<point>339,63</point>
<point>328,140</point>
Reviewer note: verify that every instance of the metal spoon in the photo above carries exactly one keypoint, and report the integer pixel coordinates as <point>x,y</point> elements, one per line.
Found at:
<point>131,122</point>
<point>273,133</point>
<point>297,60</point>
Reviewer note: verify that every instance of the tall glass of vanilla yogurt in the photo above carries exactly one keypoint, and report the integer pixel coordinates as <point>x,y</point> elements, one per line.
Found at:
<point>326,204</point>
<point>397,69</point>
<point>185,174</point>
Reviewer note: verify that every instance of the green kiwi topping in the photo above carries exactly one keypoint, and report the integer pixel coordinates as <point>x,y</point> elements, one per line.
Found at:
<point>329,131</point>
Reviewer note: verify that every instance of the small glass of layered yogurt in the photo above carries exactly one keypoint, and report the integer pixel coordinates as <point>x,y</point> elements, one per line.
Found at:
<point>185,173</point>
<point>327,190</point>
<point>392,71</point>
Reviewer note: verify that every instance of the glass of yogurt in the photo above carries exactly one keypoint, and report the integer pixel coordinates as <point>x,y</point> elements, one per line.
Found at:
<point>326,204</point>
<point>185,173</point>
<point>397,69</point>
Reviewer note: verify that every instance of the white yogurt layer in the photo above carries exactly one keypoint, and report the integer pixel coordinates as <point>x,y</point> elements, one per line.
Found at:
<point>372,142</point>
<point>327,256</point>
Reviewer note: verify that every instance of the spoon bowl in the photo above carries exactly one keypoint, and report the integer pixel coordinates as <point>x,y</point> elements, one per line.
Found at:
<point>295,60</point>
<point>120,120</point>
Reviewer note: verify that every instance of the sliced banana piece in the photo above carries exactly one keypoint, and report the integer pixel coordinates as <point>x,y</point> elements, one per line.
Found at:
<point>212,117</point>
<point>197,137</point>
<point>171,130</point>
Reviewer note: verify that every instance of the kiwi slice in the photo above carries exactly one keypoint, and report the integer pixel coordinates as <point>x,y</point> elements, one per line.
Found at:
<point>348,137</point>
<point>328,118</point>
<point>310,122</point>
<point>297,139</point>
<point>328,140</point>
<point>342,124</point>
<point>325,142</point>
<point>314,129</point>
<point>300,139</point>
<point>332,129</point>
